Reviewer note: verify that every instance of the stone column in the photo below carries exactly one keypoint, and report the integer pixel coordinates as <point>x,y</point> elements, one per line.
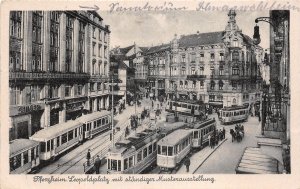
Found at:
<point>75,46</point>
<point>46,41</point>
<point>95,105</point>
<point>62,46</point>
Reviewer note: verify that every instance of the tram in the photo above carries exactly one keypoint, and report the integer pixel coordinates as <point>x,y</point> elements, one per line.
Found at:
<point>59,138</point>
<point>172,149</point>
<point>187,109</point>
<point>233,114</point>
<point>95,123</point>
<point>201,131</point>
<point>23,156</point>
<point>134,154</point>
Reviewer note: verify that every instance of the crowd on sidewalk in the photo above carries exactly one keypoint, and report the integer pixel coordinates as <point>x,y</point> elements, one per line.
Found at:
<point>216,136</point>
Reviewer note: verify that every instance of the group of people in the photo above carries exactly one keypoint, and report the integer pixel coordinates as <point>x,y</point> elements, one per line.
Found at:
<point>216,136</point>
<point>238,132</point>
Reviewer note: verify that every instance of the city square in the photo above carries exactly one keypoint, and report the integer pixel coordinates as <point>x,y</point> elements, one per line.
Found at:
<point>85,98</point>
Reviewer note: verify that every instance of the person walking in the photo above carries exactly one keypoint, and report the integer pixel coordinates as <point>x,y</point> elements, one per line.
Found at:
<point>213,142</point>
<point>187,164</point>
<point>88,157</point>
<point>97,164</point>
<point>224,132</point>
<point>209,141</point>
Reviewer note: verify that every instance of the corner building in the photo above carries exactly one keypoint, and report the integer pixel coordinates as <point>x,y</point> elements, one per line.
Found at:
<point>219,68</point>
<point>50,67</point>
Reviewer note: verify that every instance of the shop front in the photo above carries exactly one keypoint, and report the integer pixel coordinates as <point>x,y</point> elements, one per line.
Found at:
<point>25,120</point>
<point>74,108</point>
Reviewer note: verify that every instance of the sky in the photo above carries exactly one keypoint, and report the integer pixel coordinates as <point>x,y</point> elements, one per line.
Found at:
<point>155,28</point>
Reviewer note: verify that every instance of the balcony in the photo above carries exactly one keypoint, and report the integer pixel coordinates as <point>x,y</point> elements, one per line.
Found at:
<point>196,77</point>
<point>223,77</point>
<point>46,76</point>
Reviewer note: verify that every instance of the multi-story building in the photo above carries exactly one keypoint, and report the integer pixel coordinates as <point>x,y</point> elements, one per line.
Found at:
<point>218,68</point>
<point>50,56</point>
<point>99,58</point>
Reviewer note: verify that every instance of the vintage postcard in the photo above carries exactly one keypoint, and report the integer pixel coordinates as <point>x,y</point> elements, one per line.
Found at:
<point>166,94</point>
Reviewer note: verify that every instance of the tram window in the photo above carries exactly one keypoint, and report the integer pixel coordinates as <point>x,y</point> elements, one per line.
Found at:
<point>139,156</point>
<point>75,133</point>
<point>175,149</point>
<point>189,107</point>
<point>52,144</point>
<point>145,152</point>
<point>170,151</point>
<point>196,133</point>
<point>119,165</point>
<point>154,146</point>
<point>108,164</point>
<point>48,146</point>
<point>32,154</point>
<point>158,149</point>
<point>84,127</point>
<point>184,105</point>
<point>43,147</point>
<point>37,152</point>
<point>125,163</point>
<point>70,135</point>
<point>114,165</point>
<point>15,162</point>
<point>57,142</point>
<point>150,149</point>
<point>25,157</point>
<point>164,150</point>
<point>64,138</point>
<point>98,123</point>
<point>130,162</point>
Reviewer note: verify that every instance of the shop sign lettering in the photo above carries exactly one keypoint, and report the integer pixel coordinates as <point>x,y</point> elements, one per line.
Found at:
<point>30,108</point>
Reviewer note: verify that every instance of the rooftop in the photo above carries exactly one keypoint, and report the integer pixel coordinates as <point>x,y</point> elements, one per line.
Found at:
<point>18,145</point>
<point>175,137</point>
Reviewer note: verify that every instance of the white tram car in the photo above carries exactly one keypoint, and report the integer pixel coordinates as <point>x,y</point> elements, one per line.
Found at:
<point>172,149</point>
<point>201,132</point>
<point>95,123</point>
<point>234,114</point>
<point>134,154</point>
<point>23,156</point>
<point>59,138</point>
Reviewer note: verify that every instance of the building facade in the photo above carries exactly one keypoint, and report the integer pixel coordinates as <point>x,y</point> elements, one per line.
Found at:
<point>50,67</point>
<point>218,68</point>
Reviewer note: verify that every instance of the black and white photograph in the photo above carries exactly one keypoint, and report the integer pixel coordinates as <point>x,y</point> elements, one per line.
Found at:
<point>157,91</point>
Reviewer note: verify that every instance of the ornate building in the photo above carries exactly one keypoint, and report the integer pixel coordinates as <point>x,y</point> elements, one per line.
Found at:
<point>51,71</point>
<point>218,68</point>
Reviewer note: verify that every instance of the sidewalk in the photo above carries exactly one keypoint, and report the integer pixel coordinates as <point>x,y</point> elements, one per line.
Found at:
<point>199,158</point>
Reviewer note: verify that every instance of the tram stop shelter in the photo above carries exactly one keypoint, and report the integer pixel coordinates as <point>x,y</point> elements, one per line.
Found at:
<point>253,161</point>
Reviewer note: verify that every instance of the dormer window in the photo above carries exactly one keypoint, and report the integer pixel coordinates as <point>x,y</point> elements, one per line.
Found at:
<point>235,43</point>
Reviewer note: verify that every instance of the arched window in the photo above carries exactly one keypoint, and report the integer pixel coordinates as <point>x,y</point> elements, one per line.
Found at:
<point>235,56</point>
<point>234,101</point>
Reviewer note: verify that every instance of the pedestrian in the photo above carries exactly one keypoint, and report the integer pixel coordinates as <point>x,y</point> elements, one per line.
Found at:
<point>97,164</point>
<point>213,141</point>
<point>220,135</point>
<point>209,140</point>
<point>88,157</point>
<point>224,132</point>
<point>187,164</point>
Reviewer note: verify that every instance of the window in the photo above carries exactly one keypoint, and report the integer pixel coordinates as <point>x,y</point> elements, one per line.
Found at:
<point>130,161</point>
<point>196,133</point>
<point>193,57</point>
<point>150,149</point>
<point>79,90</point>
<point>201,84</point>
<point>94,32</point>
<point>183,71</point>
<point>185,84</point>
<point>234,85</point>
<point>43,147</point>
<point>154,146</point>
<point>94,49</point>
<point>15,97</point>
<point>235,56</point>
<point>15,23</point>
<point>48,146</point>
<point>105,37</point>
<point>158,149</point>
<point>181,84</point>
<point>183,58</point>
<point>212,70</point>
<point>235,71</point>
<point>221,85</point>
<point>212,57</point>
<point>170,151</point>
<point>25,157</point>
<point>105,52</point>
<point>193,70</point>
<point>52,91</point>
<point>68,90</point>
<point>64,138</point>
<point>119,165</point>
<point>212,85</point>
<point>69,43</point>
<point>139,156</point>
<point>164,150</point>
<point>70,135</point>
<point>114,165</point>
<point>221,71</point>
<point>100,35</point>
<point>221,56</point>
<point>235,43</point>
<point>201,70</point>
<point>57,141</point>
<point>201,57</point>
<point>145,152</point>
<point>15,162</point>
<point>125,163</point>
<point>194,84</point>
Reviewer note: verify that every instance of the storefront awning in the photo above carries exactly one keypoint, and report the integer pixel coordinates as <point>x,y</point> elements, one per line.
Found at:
<point>271,147</point>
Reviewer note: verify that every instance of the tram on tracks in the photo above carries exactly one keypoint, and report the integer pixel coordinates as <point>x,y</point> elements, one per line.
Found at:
<point>201,131</point>
<point>134,154</point>
<point>172,149</point>
<point>23,156</point>
<point>95,123</point>
<point>59,138</point>
<point>233,114</point>
<point>187,109</point>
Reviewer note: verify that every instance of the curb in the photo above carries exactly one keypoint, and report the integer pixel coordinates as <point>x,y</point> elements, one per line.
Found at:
<point>209,155</point>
